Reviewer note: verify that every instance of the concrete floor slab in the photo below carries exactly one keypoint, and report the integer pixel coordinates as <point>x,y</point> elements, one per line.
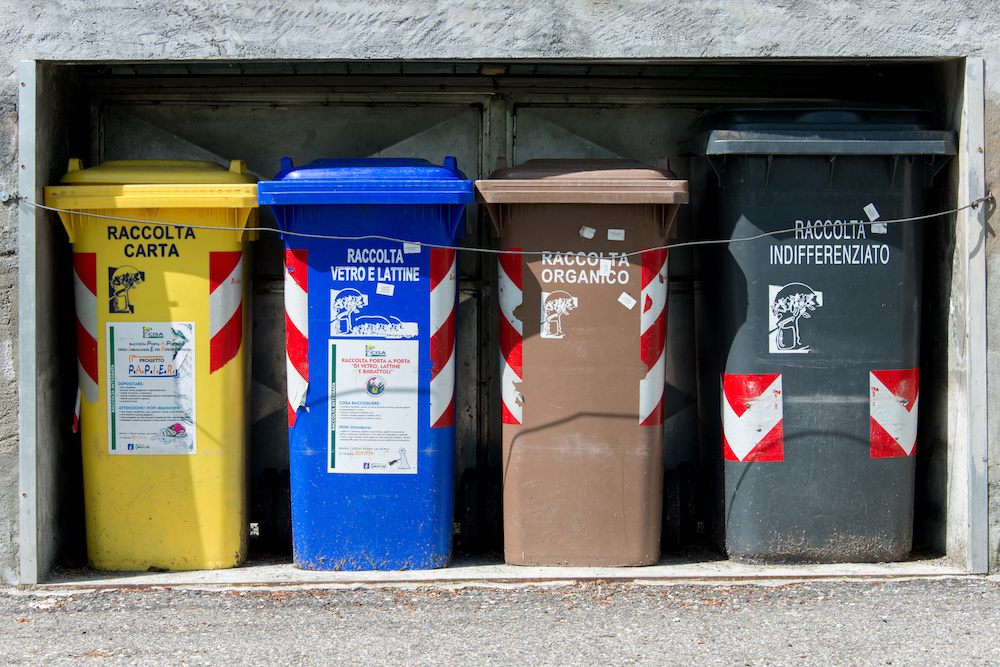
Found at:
<point>464,571</point>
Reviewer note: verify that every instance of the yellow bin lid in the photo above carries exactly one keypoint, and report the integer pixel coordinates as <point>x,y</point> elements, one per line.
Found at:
<point>154,184</point>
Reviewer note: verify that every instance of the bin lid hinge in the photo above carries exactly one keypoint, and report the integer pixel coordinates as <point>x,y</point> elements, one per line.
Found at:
<point>934,165</point>
<point>718,164</point>
<point>667,220</point>
<point>456,215</point>
<point>496,216</point>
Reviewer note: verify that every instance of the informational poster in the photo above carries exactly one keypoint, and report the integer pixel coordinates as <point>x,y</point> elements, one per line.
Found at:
<point>374,393</point>
<point>151,388</point>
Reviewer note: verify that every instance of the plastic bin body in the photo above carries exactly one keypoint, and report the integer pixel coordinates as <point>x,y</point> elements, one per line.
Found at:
<point>810,339</point>
<point>163,326</point>
<point>370,330</point>
<point>582,337</point>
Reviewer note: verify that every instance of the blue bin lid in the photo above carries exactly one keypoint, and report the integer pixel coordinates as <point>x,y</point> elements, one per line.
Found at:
<point>367,181</point>
<point>780,130</point>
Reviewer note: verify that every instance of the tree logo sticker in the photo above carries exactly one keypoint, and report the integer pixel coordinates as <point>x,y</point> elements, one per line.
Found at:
<point>121,280</point>
<point>346,320</point>
<point>790,304</point>
<point>554,306</point>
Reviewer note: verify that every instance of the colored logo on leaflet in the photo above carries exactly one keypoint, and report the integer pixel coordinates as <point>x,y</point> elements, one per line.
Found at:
<point>172,433</point>
<point>375,386</point>
<point>372,351</point>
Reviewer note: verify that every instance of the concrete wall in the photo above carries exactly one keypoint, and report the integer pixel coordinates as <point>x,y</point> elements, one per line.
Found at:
<point>79,30</point>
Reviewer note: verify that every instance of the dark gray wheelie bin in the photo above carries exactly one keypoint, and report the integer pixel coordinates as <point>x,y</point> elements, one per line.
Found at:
<point>809,339</point>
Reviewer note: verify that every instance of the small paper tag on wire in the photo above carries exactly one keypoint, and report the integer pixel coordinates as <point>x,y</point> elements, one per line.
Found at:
<point>605,267</point>
<point>411,248</point>
<point>873,215</point>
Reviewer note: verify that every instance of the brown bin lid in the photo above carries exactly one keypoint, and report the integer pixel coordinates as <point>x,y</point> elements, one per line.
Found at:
<point>581,182</point>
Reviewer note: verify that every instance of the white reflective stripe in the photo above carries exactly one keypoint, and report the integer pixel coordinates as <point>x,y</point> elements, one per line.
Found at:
<point>443,389</point>
<point>891,414</point>
<point>651,388</point>
<point>746,432</point>
<point>656,290</point>
<point>225,300</point>
<point>86,306</point>
<point>510,298</point>
<point>508,391</point>
<point>87,386</point>
<point>297,304</point>
<point>297,385</point>
<point>443,299</point>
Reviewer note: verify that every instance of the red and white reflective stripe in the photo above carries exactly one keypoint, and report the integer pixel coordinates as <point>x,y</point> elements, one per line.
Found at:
<point>752,418</point>
<point>511,332</point>
<point>894,399</point>
<point>85,293</point>
<point>653,335</point>
<point>296,329</point>
<point>225,307</point>
<point>76,412</point>
<point>444,286</point>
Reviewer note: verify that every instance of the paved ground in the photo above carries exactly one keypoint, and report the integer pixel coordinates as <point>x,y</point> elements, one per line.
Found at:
<point>920,621</point>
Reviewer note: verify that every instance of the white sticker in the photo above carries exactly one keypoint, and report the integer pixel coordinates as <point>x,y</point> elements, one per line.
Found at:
<point>606,266</point>
<point>411,248</point>
<point>385,289</point>
<point>587,232</point>
<point>626,300</point>
<point>616,234</point>
<point>872,212</point>
<point>880,228</point>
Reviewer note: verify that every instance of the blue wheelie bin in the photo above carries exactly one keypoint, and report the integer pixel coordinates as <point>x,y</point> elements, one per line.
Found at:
<point>370,304</point>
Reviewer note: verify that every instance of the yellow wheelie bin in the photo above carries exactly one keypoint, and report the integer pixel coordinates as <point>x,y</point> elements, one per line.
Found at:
<point>161,262</point>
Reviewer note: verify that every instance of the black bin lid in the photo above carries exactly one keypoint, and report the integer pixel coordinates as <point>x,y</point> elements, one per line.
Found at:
<point>784,130</point>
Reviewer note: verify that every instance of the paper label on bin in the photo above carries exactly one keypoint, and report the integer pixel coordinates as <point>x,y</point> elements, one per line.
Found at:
<point>616,234</point>
<point>627,300</point>
<point>606,266</point>
<point>873,215</point>
<point>587,232</point>
<point>385,289</point>
<point>373,405</point>
<point>151,388</point>
<point>411,248</point>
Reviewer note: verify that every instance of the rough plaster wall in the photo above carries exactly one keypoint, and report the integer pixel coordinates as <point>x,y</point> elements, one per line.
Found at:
<point>461,29</point>
<point>8,334</point>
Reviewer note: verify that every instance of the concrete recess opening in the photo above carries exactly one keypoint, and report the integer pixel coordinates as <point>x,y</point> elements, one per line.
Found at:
<point>477,112</point>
